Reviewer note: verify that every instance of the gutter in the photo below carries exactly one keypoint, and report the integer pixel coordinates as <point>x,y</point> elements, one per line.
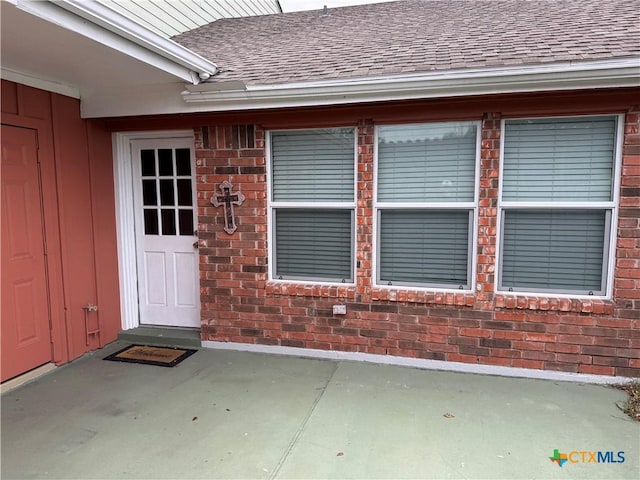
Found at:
<point>103,25</point>
<point>234,95</point>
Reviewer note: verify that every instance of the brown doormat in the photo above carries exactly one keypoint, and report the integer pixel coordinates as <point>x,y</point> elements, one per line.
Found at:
<point>161,356</point>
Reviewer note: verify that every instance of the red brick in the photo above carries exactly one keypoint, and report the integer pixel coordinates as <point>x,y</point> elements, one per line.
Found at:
<point>525,363</point>
<point>511,335</point>
<point>611,361</point>
<point>562,348</point>
<point>596,369</point>
<point>612,342</point>
<point>475,332</point>
<point>457,357</point>
<point>572,358</point>
<point>577,339</point>
<point>561,367</point>
<point>561,328</point>
<point>537,355</point>
<point>627,372</point>
<point>540,337</point>
<point>504,362</point>
<point>613,322</point>
<point>525,346</point>
<point>628,352</point>
<point>504,353</point>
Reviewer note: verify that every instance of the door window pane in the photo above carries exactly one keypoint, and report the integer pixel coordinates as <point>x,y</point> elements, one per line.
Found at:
<point>148,162</point>
<point>165,162</point>
<point>166,193</point>
<point>184,193</point>
<point>168,222</point>
<point>151,221</point>
<point>183,161</point>
<point>185,221</point>
<point>149,192</point>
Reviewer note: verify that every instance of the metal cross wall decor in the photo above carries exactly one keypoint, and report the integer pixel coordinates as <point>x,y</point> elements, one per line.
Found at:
<point>228,199</point>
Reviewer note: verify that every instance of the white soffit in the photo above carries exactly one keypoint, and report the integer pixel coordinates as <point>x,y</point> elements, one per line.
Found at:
<point>84,48</point>
<point>41,54</point>
<point>103,25</point>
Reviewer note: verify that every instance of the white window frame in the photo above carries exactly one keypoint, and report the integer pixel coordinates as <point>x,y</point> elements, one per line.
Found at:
<point>272,206</point>
<point>471,206</point>
<point>611,206</point>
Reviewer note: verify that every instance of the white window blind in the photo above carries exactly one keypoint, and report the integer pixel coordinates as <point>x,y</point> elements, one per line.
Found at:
<point>430,170</point>
<point>424,247</point>
<point>560,250</point>
<point>312,204</point>
<point>313,165</point>
<point>559,160</point>
<point>426,163</point>
<point>557,204</point>
<point>313,244</point>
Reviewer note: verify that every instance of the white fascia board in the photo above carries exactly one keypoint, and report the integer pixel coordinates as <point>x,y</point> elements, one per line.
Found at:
<point>15,75</point>
<point>437,84</point>
<point>101,24</point>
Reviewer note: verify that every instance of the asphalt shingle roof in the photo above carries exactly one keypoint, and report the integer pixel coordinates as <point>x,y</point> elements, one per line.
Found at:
<point>416,36</point>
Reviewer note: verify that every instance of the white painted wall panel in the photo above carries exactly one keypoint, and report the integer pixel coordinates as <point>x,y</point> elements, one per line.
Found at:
<point>156,278</point>
<point>186,288</point>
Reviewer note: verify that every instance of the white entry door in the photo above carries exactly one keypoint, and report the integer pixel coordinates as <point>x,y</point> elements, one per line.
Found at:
<point>166,232</point>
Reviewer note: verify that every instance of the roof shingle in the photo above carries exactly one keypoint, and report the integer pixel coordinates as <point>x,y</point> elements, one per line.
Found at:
<point>416,36</point>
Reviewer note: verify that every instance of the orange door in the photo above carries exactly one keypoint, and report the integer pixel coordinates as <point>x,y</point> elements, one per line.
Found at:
<point>26,333</point>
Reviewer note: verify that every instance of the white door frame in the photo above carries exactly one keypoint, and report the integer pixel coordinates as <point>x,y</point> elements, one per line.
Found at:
<point>125,220</point>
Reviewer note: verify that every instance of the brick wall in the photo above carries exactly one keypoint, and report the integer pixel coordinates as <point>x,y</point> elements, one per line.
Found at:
<point>565,334</point>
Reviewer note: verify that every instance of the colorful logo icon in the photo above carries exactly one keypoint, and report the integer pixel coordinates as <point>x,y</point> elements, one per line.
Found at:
<point>559,458</point>
<point>587,456</point>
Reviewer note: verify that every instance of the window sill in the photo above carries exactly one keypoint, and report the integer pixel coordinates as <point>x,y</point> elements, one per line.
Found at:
<point>462,299</point>
<point>293,289</point>
<point>554,304</point>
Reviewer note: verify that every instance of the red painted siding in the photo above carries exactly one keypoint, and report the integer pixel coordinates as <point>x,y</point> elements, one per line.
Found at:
<point>104,230</point>
<point>76,221</point>
<point>79,215</point>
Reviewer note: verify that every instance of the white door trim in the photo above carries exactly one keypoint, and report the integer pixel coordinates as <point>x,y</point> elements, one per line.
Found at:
<point>125,222</point>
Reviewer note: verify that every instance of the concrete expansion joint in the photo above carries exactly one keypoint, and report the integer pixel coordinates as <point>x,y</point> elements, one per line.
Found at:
<point>303,424</point>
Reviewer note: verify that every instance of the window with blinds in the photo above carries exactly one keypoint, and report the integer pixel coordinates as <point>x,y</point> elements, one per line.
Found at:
<point>426,204</point>
<point>557,203</point>
<point>312,204</point>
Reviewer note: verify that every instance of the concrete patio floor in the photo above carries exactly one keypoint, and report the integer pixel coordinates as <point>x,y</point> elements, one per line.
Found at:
<point>226,414</point>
